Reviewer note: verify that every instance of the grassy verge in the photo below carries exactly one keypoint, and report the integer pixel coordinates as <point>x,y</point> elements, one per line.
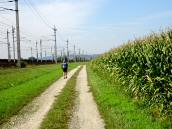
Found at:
<point>14,98</point>
<point>117,109</point>
<point>59,116</point>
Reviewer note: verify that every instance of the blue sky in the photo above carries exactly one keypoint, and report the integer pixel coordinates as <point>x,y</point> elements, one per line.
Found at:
<point>123,20</point>
<point>132,18</point>
<point>94,26</point>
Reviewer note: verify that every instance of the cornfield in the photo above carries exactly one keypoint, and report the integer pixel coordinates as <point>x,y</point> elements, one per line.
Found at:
<point>144,68</point>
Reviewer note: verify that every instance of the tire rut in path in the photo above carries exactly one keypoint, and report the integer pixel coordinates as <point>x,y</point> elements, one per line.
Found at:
<point>86,114</point>
<point>31,116</point>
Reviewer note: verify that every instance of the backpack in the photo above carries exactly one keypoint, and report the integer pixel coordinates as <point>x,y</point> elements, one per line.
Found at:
<point>64,65</point>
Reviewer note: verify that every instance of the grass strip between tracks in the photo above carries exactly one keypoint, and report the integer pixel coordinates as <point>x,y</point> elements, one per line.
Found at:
<point>61,111</point>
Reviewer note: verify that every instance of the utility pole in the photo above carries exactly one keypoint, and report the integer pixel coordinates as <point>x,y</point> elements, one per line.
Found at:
<point>67,49</point>
<point>79,54</point>
<point>41,49</point>
<point>83,57</point>
<point>55,46</point>
<point>37,51</point>
<point>45,56</point>
<point>14,50</point>
<point>18,34</point>
<point>8,45</point>
<point>61,55</point>
<point>31,54</point>
<point>86,56</point>
<point>74,54</point>
<point>52,54</point>
<point>63,52</point>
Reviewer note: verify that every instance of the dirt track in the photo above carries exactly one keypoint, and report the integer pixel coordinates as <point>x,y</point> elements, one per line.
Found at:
<point>32,115</point>
<point>86,115</point>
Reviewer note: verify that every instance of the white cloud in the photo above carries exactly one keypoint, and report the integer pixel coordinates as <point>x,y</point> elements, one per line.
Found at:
<point>65,14</point>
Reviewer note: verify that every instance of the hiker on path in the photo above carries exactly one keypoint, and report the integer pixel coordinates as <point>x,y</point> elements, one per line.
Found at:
<point>65,67</point>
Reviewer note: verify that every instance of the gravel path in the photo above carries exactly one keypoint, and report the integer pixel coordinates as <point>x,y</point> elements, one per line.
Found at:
<point>86,114</point>
<point>31,116</point>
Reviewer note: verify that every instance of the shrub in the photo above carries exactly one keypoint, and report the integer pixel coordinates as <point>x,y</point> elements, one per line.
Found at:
<point>23,64</point>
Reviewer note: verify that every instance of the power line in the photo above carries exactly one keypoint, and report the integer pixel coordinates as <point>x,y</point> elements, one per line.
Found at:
<point>11,22</point>
<point>3,8</point>
<point>6,1</point>
<point>43,19</point>
<point>36,12</point>
<point>30,5</point>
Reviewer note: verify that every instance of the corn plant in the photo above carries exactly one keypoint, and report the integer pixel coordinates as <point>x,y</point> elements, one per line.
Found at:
<point>144,68</point>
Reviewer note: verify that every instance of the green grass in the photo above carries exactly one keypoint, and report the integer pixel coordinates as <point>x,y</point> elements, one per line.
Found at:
<point>11,77</point>
<point>118,110</point>
<point>14,98</point>
<point>59,116</point>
